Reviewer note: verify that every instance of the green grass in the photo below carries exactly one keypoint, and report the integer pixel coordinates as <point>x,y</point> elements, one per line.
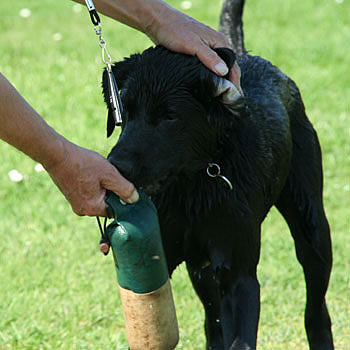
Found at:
<point>57,291</point>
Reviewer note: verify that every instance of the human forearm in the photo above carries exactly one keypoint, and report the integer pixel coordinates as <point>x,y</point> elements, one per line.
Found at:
<point>171,28</point>
<point>22,127</point>
<point>82,175</point>
<point>139,14</point>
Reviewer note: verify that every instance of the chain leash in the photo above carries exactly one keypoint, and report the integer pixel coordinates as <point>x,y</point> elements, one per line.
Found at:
<point>114,98</point>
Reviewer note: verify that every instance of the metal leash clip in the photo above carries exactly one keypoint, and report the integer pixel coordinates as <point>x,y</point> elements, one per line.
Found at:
<point>95,19</point>
<point>114,98</point>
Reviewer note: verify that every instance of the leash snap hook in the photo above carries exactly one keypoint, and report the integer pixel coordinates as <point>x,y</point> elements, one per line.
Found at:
<point>95,18</point>
<point>216,172</point>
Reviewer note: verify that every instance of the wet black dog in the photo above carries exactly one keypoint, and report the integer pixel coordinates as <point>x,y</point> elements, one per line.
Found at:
<point>182,125</point>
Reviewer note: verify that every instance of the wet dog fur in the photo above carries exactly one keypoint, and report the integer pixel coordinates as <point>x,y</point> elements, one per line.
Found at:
<point>176,121</point>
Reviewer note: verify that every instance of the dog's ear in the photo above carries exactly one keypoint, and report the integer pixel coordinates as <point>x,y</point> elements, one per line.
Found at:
<point>218,94</point>
<point>226,103</point>
<point>121,71</point>
<point>224,87</point>
<point>221,89</point>
<point>228,56</point>
<point>226,91</point>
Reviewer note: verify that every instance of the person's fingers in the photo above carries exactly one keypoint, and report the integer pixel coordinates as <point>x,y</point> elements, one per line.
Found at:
<point>183,33</point>
<point>115,182</point>
<point>89,202</point>
<point>98,205</point>
<point>83,176</point>
<point>194,38</point>
<point>235,77</point>
<point>211,59</point>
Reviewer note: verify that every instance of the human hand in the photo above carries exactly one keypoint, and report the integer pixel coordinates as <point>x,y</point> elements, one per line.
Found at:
<point>173,29</point>
<point>181,33</point>
<point>83,177</point>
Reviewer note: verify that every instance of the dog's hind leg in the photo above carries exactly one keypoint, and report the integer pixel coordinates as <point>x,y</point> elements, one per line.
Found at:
<point>301,205</point>
<point>314,254</point>
<point>207,290</point>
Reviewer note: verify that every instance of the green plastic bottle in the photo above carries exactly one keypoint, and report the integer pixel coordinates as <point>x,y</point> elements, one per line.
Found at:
<point>142,275</point>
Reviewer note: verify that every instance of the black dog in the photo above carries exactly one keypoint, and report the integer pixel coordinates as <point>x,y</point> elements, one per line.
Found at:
<point>187,135</point>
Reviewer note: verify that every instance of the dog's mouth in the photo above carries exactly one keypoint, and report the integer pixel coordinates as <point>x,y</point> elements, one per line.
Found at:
<point>144,179</point>
<point>158,186</point>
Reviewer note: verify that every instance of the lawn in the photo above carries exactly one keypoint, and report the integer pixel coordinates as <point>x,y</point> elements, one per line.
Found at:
<point>57,290</point>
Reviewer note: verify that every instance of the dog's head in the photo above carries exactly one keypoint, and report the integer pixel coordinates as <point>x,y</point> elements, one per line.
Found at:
<point>174,113</point>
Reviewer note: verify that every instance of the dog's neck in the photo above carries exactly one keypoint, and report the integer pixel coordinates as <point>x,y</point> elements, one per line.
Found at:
<point>197,193</point>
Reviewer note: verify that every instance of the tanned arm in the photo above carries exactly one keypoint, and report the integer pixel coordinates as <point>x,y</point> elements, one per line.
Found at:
<point>171,28</point>
<point>82,175</point>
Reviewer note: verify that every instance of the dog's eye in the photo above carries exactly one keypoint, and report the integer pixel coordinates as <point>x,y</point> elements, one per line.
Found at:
<point>164,114</point>
<point>170,117</point>
<point>164,111</point>
<point>164,118</point>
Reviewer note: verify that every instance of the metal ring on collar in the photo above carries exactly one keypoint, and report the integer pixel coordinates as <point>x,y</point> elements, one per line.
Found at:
<point>218,174</point>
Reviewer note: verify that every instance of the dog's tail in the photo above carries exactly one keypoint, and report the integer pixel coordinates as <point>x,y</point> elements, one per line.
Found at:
<point>231,24</point>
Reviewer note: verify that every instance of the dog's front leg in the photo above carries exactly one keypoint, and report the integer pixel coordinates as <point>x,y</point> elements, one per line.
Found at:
<point>239,310</point>
<point>231,313</point>
<point>228,286</point>
<point>206,288</point>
